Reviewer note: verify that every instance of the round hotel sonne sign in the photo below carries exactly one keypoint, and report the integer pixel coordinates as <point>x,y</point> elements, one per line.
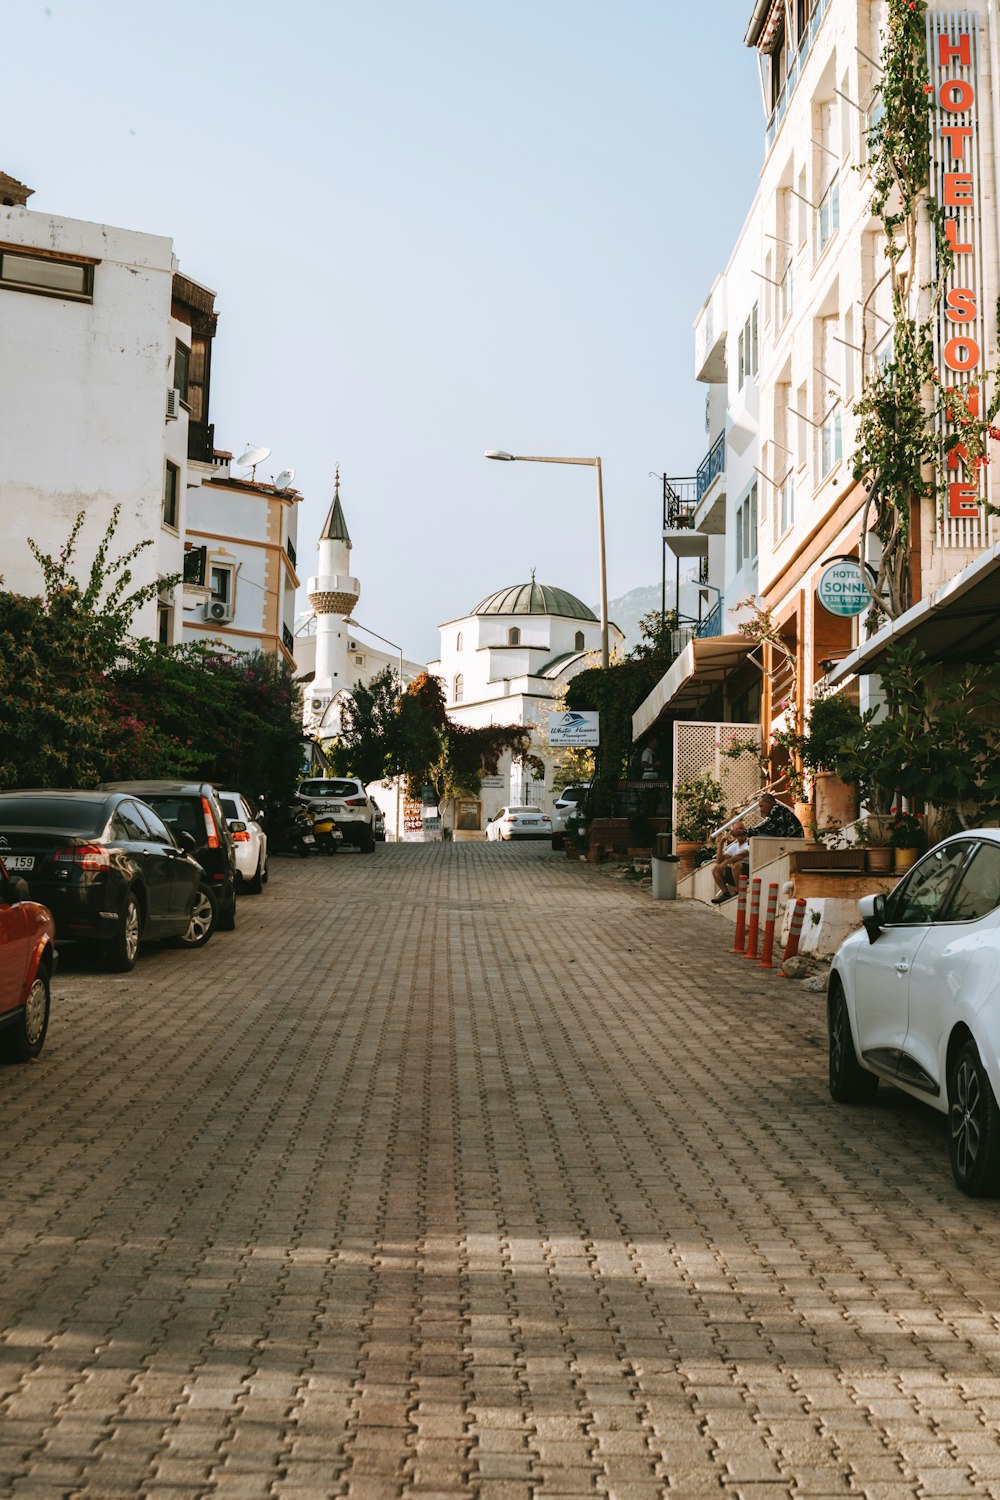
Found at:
<point>841,589</point>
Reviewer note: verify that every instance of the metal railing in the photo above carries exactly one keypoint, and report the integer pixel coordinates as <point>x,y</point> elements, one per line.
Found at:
<point>795,66</point>
<point>680,500</point>
<point>290,550</point>
<point>712,623</point>
<point>711,466</point>
<point>288,640</point>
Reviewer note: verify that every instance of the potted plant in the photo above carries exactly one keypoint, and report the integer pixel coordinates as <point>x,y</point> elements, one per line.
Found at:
<point>872,835</point>
<point>700,810</point>
<point>575,835</point>
<point>906,837</point>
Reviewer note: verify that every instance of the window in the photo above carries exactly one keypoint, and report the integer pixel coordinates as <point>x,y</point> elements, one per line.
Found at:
<point>458,689</point>
<point>182,369</point>
<point>458,641</point>
<point>833,445</point>
<point>578,641</point>
<point>921,895</point>
<point>978,890</point>
<point>785,295</point>
<point>163,624</point>
<point>221,583</point>
<point>748,348</point>
<point>829,214</point>
<point>746,529</point>
<point>359,661</point>
<point>513,636</point>
<point>786,505</point>
<point>171,488</point>
<point>50,276</point>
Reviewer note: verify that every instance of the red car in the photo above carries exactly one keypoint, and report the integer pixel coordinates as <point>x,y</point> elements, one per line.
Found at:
<point>27,963</point>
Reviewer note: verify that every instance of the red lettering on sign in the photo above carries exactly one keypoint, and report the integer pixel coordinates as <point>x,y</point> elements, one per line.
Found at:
<point>962,500</point>
<point>962,49</point>
<point>955,95</point>
<point>958,455</point>
<point>960,304</point>
<point>951,235</point>
<point>958,190</point>
<point>961,354</point>
<point>956,136</point>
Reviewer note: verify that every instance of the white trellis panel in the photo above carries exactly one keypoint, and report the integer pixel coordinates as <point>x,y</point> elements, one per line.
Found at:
<point>701,746</point>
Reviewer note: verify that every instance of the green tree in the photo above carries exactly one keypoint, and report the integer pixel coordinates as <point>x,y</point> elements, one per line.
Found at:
<point>368,743</point>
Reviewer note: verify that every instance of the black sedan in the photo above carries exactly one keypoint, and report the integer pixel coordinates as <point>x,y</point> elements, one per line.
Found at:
<point>108,869</point>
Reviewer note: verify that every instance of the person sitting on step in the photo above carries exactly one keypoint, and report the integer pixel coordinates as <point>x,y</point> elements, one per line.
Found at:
<point>730,854</point>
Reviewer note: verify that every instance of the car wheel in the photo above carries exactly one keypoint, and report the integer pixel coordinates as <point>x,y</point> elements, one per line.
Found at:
<point>264,872</point>
<point>121,951</point>
<point>227,914</point>
<point>973,1125</point>
<point>850,1083</point>
<point>23,1041</point>
<point>202,923</point>
<point>557,841</point>
<point>255,884</point>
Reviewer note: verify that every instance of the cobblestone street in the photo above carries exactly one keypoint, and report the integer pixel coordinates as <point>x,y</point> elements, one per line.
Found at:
<point>463,1170</point>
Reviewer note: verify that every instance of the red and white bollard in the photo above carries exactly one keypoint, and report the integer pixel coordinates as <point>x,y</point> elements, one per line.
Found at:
<point>754,928</point>
<point>769,921</point>
<point>740,936</point>
<point>795,930</point>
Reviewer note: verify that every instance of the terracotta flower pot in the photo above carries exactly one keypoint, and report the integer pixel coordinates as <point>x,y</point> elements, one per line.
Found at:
<point>836,801</point>
<point>687,853</point>
<point>879,861</point>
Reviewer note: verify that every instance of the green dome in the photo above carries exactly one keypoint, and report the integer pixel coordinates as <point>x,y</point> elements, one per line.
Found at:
<point>534,599</point>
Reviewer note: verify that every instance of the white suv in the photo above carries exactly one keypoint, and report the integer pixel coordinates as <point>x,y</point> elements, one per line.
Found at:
<point>345,800</point>
<point>569,800</point>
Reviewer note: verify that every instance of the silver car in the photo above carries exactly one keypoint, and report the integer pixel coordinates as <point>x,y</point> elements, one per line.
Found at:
<point>250,840</point>
<point>914,999</point>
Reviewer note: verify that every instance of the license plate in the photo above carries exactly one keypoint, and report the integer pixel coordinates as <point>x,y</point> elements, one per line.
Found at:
<point>307,838</point>
<point>531,822</point>
<point>19,861</point>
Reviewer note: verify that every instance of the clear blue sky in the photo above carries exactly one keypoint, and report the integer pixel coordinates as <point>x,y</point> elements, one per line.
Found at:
<point>433,228</point>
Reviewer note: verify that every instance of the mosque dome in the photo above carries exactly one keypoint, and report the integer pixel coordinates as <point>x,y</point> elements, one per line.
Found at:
<point>534,599</point>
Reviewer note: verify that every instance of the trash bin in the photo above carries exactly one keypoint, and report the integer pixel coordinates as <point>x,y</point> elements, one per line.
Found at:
<point>665,877</point>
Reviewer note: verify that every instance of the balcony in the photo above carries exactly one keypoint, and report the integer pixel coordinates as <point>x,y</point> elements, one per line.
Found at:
<point>710,483</point>
<point>288,640</point>
<point>289,548</point>
<point>795,65</point>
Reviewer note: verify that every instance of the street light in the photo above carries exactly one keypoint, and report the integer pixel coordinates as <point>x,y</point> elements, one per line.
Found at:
<point>394,646</point>
<point>592,463</point>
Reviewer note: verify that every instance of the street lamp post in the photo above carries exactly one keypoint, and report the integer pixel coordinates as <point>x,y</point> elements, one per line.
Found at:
<point>394,646</point>
<point>592,463</point>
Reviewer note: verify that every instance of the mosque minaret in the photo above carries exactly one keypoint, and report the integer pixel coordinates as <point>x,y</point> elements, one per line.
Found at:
<point>333,594</point>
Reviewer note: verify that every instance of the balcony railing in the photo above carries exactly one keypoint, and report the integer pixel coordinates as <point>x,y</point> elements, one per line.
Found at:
<point>712,623</point>
<point>288,640</point>
<point>795,65</point>
<point>290,550</point>
<point>711,466</point>
<point>680,500</point>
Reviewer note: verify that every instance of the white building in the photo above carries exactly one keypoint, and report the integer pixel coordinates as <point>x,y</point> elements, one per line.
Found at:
<point>90,325</point>
<point>248,531</point>
<point>506,662</point>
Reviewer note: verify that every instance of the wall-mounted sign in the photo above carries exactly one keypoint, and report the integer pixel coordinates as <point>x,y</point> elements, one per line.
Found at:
<point>841,589</point>
<point>961,332</point>
<point>574,728</point>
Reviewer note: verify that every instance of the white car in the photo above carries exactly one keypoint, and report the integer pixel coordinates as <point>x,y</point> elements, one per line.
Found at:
<point>250,840</point>
<point>345,800</point>
<point>914,998</point>
<point>518,823</point>
<point>569,801</point>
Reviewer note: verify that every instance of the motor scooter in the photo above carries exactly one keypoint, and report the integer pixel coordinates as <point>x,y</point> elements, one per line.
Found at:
<point>328,836</point>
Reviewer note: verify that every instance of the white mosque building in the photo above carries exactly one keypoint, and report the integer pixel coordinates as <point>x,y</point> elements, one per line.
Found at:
<point>506,662</point>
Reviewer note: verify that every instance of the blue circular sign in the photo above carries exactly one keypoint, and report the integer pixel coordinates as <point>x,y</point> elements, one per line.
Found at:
<point>842,590</point>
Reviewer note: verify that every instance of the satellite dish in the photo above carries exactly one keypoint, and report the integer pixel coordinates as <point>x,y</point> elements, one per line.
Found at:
<point>284,479</point>
<point>251,458</point>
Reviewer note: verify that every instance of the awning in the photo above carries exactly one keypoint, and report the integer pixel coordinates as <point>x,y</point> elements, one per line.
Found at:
<point>702,665</point>
<point>959,622</point>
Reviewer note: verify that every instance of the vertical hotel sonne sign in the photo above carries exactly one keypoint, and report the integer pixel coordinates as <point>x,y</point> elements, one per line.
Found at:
<point>956,179</point>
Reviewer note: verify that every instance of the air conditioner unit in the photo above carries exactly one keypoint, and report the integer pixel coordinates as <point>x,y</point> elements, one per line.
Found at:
<point>218,611</point>
<point>317,704</point>
<point>173,404</point>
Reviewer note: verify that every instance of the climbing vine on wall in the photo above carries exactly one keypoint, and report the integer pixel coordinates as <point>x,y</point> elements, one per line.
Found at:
<point>900,456</point>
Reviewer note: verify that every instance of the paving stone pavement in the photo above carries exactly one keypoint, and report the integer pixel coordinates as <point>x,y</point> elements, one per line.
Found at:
<point>461,1170</point>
